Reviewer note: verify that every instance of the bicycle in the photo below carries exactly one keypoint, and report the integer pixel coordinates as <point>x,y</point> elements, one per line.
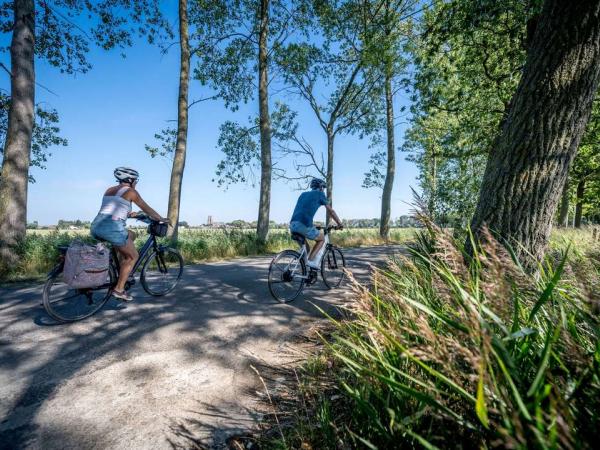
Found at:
<point>288,269</point>
<point>162,267</point>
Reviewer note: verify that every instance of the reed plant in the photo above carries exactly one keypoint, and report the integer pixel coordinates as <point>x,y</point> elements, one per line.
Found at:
<point>449,349</point>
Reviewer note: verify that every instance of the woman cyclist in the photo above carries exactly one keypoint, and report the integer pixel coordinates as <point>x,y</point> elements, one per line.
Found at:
<point>109,224</point>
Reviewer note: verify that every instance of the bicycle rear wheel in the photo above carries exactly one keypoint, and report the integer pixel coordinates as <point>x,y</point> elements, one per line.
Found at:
<point>332,267</point>
<point>162,271</point>
<point>287,274</point>
<point>65,304</point>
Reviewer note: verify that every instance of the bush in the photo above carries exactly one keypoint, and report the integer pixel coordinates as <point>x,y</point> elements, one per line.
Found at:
<point>37,253</point>
<point>445,353</point>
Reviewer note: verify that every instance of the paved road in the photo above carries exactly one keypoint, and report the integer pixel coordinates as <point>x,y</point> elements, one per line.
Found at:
<point>153,373</point>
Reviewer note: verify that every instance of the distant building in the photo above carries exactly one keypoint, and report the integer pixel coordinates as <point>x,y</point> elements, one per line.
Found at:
<point>209,221</point>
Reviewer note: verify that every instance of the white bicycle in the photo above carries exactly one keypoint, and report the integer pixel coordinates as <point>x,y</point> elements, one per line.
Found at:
<point>289,271</point>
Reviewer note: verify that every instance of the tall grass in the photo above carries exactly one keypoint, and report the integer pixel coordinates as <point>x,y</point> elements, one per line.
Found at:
<point>451,351</point>
<point>38,253</point>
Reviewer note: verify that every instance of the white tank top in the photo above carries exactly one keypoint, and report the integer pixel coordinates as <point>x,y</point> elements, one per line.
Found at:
<point>115,205</point>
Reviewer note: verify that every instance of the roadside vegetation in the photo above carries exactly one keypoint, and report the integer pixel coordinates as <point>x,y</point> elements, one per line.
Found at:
<point>438,350</point>
<point>38,251</point>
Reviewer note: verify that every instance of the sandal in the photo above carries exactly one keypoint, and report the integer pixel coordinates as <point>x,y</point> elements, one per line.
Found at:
<point>123,296</point>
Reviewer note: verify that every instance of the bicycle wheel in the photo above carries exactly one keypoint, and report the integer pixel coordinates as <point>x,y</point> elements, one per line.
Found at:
<point>287,274</point>
<point>65,304</point>
<point>332,267</point>
<point>162,271</point>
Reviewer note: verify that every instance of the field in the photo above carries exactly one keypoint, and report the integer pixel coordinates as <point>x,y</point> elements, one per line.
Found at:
<point>38,252</point>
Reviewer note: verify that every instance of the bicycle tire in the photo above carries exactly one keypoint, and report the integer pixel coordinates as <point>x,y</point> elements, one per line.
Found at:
<point>277,274</point>
<point>75,297</point>
<point>331,263</point>
<point>158,272</point>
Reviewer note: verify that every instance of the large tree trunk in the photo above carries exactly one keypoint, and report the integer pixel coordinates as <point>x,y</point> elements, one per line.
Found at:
<point>530,161</point>
<point>579,204</point>
<point>329,181</point>
<point>17,149</point>
<point>563,217</point>
<point>264,206</point>
<point>386,197</point>
<point>182,122</point>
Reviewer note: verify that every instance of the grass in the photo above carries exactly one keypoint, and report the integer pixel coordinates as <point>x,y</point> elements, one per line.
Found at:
<point>38,251</point>
<point>439,353</point>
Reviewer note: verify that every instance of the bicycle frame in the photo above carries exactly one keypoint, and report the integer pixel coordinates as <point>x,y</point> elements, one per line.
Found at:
<point>143,255</point>
<point>304,256</point>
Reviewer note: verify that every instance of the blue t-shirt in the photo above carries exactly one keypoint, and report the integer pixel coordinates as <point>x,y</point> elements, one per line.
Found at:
<point>307,206</point>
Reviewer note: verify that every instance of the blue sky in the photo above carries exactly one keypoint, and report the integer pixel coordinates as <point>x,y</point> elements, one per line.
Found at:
<point>108,115</point>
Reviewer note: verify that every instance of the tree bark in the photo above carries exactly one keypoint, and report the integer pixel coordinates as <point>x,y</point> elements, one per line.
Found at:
<point>17,148</point>
<point>579,204</point>
<point>182,122</point>
<point>386,197</point>
<point>262,228</point>
<point>329,181</point>
<point>530,160</point>
<point>563,218</point>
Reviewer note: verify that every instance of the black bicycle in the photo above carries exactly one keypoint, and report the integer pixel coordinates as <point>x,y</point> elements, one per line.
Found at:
<point>162,267</point>
<point>289,271</point>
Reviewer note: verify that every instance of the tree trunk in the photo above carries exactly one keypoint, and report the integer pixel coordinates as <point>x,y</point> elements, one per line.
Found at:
<point>329,181</point>
<point>264,206</point>
<point>386,197</point>
<point>563,218</point>
<point>530,160</point>
<point>17,148</point>
<point>182,122</point>
<point>579,204</point>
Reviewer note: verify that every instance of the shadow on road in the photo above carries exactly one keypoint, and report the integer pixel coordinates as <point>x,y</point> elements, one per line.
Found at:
<point>55,380</point>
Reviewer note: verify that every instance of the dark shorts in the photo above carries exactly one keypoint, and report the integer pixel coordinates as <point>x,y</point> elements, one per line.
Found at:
<point>105,228</point>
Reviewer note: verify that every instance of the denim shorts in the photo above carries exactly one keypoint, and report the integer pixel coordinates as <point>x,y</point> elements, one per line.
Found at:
<point>300,228</point>
<point>105,228</point>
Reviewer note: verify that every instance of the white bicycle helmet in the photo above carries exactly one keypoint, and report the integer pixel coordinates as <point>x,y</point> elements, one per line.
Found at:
<point>126,174</point>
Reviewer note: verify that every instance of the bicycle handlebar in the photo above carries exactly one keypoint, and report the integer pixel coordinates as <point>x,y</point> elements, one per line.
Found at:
<point>329,228</point>
<point>142,217</point>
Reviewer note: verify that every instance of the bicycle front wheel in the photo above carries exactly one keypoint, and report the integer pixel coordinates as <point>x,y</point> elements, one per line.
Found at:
<point>66,304</point>
<point>287,274</point>
<point>162,271</point>
<point>332,267</point>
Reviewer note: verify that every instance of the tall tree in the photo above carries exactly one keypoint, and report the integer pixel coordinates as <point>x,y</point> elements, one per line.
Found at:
<point>182,121</point>
<point>336,57</point>
<point>386,38</point>
<point>468,57</point>
<point>16,155</point>
<point>530,159</point>
<point>235,60</point>
<point>49,30</point>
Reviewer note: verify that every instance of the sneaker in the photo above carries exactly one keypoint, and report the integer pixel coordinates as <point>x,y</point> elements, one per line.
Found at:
<point>123,296</point>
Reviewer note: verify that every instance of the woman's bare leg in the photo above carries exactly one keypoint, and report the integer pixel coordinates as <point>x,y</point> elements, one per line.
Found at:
<point>129,256</point>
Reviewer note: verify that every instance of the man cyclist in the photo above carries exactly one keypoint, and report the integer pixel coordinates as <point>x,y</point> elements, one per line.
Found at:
<point>302,218</point>
<point>109,224</point>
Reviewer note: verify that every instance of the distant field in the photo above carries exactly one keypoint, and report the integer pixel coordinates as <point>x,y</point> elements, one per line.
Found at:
<point>38,251</point>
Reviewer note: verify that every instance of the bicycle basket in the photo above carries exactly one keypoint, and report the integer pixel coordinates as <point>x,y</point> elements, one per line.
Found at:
<point>158,229</point>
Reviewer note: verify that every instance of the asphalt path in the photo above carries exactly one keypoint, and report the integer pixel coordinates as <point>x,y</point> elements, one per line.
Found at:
<point>167,372</point>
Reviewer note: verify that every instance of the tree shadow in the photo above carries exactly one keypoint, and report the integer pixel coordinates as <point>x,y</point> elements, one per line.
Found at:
<point>206,322</point>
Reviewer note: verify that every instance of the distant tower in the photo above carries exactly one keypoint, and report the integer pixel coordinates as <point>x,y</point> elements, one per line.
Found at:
<point>209,221</point>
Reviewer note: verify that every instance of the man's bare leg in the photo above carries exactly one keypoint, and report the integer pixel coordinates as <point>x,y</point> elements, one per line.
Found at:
<point>319,241</point>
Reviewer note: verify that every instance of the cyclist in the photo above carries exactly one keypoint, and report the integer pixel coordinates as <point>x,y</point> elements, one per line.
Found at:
<point>302,218</point>
<point>109,224</point>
